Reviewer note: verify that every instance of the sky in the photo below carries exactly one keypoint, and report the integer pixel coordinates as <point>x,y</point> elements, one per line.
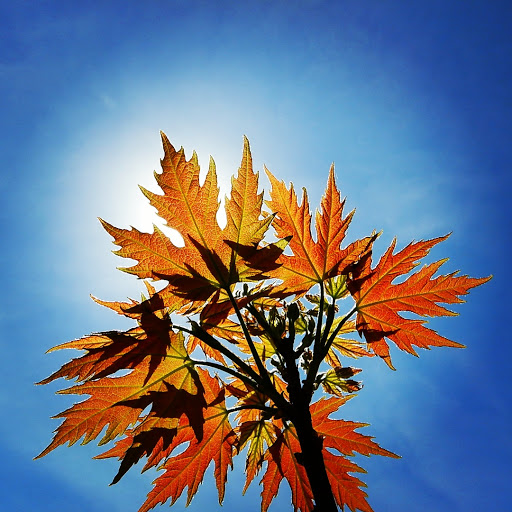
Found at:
<point>412,102</point>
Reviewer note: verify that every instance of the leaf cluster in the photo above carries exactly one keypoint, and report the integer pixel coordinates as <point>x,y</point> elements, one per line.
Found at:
<point>243,336</point>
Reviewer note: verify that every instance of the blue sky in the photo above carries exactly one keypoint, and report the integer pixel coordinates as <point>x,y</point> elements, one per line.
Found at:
<point>412,102</point>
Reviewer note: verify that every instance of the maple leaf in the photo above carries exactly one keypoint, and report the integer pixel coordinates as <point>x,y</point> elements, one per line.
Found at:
<point>336,381</point>
<point>109,404</point>
<point>340,434</point>
<point>312,262</point>
<point>259,436</point>
<point>154,355</point>
<point>346,487</point>
<point>212,257</point>
<point>282,463</point>
<point>108,352</point>
<point>379,301</point>
<point>187,469</point>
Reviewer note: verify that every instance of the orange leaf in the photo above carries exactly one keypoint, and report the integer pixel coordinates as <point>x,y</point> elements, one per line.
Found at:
<point>112,351</point>
<point>346,488</point>
<point>109,402</point>
<point>336,434</point>
<point>187,469</point>
<point>379,301</point>
<point>172,409</point>
<point>340,434</point>
<point>245,225</point>
<point>212,257</point>
<point>154,355</point>
<point>259,435</point>
<point>282,463</point>
<point>312,261</point>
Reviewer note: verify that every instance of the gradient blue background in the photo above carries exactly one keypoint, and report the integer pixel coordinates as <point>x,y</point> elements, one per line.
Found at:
<point>410,99</point>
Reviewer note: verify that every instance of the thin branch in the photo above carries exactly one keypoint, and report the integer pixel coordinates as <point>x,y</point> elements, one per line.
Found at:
<point>319,318</point>
<point>232,372</point>
<point>308,383</point>
<point>319,356</point>
<point>260,382</point>
<point>216,345</point>
<point>292,315</point>
<point>328,323</point>
<point>332,337</point>
<point>261,368</point>
<point>284,351</point>
<point>262,321</point>
<point>265,408</point>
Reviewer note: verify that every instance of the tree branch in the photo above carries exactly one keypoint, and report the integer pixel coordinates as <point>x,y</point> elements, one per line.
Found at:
<point>216,345</point>
<point>261,368</point>
<point>231,372</point>
<point>332,337</point>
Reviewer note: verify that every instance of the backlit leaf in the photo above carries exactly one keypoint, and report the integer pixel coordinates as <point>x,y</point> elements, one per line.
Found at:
<point>312,261</point>
<point>379,301</point>
<point>282,463</point>
<point>187,469</point>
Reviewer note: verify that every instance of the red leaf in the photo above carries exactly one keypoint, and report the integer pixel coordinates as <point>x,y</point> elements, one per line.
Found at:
<point>379,301</point>
<point>187,469</point>
<point>312,262</point>
<point>282,463</point>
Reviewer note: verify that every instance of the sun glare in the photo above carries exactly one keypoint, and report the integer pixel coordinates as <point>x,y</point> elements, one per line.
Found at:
<point>117,197</point>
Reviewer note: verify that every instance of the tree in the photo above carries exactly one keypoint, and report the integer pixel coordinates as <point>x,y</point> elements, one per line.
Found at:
<point>265,334</point>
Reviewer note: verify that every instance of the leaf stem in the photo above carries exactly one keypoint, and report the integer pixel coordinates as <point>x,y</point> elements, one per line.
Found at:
<point>262,383</point>
<point>216,345</point>
<point>251,383</point>
<point>320,318</point>
<point>261,368</point>
<point>308,383</point>
<point>265,408</point>
<point>332,337</point>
